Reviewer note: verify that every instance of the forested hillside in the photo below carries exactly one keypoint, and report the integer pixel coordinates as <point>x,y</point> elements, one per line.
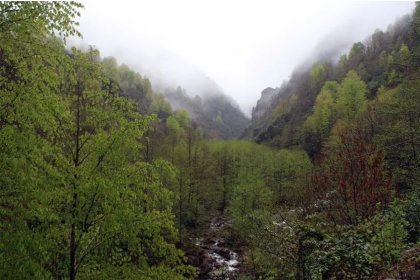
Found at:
<point>102,178</point>
<point>358,119</point>
<point>215,112</point>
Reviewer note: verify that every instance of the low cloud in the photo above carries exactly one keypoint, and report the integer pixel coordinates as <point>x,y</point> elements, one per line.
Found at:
<point>239,47</point>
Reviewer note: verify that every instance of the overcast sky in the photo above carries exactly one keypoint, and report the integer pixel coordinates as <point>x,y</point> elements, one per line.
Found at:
<point>244,46</point>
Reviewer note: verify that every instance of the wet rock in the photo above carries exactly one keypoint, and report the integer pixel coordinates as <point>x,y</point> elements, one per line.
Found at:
<point>206,264</point>
<point>210,240</point>
<point>224,252</point>
<point>217,274</point>
<point>193,260</point>
<point>216,261</point>
<point>217,265</point>
<point>221,243</point>
<point>193,254</point>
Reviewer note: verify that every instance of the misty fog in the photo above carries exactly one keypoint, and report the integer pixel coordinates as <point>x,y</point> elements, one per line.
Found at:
<point>237,47</point>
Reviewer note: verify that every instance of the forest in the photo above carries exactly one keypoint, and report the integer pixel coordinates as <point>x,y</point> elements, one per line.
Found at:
<point>102,177</point>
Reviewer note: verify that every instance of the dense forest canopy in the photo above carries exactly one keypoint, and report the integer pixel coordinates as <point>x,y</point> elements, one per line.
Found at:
<point>101,177</point>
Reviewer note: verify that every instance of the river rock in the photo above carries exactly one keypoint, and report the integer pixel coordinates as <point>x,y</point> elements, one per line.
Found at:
<point>224,252</point>
<point>206,264</point>
<point>215,261</point>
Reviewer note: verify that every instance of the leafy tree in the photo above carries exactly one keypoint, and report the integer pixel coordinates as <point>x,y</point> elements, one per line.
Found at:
<point>397,131</point>
<point>32,66</point>
<point>175,132</point>
<point>318,74</point>
<point>136,87</point>
<point>92,143</point>
<point>404,55</point>
<point>353,178</point>
<point>284,173</point>
<point>341,68</point>
<point>24,20</point>
<point>110,69</point>
<point>389,234</point>
<point>324,111</point>
<point>356,55</point>
<point>398,127</point>
<point>351,96</point>
<point>83,203</point>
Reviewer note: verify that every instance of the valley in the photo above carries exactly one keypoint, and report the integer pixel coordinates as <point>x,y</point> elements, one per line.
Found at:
<point>108,174</point>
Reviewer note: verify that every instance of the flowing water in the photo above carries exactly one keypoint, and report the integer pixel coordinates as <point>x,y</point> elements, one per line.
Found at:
<point>217,261</point>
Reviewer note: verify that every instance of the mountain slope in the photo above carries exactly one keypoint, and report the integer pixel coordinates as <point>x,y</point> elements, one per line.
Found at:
<point>215,112</point>
<point>378,62</point>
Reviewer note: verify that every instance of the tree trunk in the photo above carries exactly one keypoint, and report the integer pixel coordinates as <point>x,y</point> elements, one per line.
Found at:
<point>73,248</point>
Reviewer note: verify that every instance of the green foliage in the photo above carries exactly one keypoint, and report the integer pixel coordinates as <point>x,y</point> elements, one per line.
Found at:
<point>351,97</point>
<point>324,112</point>
<point>249,207</point>
<point>94,187</point>
<point>30,76</point>
<point>335,101</point>
<point>341,68</point>
<point>346,254</point>
<point>378,62</point>
<point>317,74</point>
<point>183,118</point>
<point>136,87</point>
<point>363,251</point>
<point>285,172</point>
<point>404,55</point>
<point>411,209</point>
<point>288,248</point>
<point>77,199</point>
<point>398,130</point>
<point>215,113</point>
<point>173,125</point>
<point>110,197</point>
<point>390,234</point>
<point>260,186</point>
<point>21,20</point>
<point>399,133</point>
<point>356,54</point>
<point>353,177</point>
<point>361,130</point>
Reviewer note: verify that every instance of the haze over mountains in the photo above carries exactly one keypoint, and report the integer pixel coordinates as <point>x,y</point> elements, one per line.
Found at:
<point>244,47</point>
<point>169,66</point>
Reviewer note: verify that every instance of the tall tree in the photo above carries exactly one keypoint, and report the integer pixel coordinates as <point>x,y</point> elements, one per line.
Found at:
<point>351,96</point>
<point>353,178</point>
<point>31,72</point>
